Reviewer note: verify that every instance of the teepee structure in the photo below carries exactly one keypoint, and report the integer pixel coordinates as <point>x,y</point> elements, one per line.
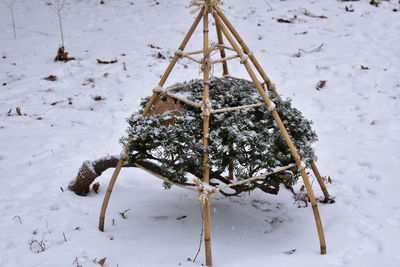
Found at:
<point>224,30</point>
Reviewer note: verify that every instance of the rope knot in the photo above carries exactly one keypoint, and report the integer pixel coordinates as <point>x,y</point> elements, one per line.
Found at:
<point>271,106</point>
<point>302,166</point>
<point>158,89</point>
<point>206,108</point>
<point>179,53</point>
<point>206,4</point>
<point>205,190</point>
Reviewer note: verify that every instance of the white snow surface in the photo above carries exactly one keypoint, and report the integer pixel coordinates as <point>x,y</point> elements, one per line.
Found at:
<point>356,115</point>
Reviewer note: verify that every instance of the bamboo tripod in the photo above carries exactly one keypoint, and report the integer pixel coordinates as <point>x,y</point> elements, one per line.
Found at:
<point>223,29</point>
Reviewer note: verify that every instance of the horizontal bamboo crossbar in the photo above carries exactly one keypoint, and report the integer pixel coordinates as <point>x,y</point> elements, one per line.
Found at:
<point>166,179</point>
<point>199,61</point>
<point>195,189</point>
<point>183,99</point>
<point>258,177</point>
<point>213,111</point>
<point>224,59</point>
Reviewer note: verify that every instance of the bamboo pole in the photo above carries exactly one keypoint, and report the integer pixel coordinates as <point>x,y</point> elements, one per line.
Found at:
<point>108,194</point>
<point>320,182</point>
<point>246,50</point>
<point>282,128</point>
<point>145,112</point>
<point>222,50</point>
<point>237,108</point>
<point>224,60</point>
<point>206,128</point>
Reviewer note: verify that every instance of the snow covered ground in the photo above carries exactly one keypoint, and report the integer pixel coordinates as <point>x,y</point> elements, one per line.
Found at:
<point>356,115</point>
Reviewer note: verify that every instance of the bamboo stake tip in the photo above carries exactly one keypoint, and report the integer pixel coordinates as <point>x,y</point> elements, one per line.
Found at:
<point>323,250</point>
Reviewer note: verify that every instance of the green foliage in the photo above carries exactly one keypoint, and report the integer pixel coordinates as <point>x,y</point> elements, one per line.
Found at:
<point>248,139</point>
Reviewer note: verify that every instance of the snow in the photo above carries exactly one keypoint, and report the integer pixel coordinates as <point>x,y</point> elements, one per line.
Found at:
<point>356,116</point>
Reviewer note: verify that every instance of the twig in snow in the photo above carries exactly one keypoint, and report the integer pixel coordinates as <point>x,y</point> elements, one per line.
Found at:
<point>201,236</point>
<point>270,7</point>
<point>37,246</point>
<point>106,62</point>
<point>309,14</point>
<point>123,213</point>
<point>65,239</point>
<point>76,262</point>
<point>19,218</point>
<point>291,20</point>
<point>57,6</point>
<point>10,5</point>
<point>301,51</point>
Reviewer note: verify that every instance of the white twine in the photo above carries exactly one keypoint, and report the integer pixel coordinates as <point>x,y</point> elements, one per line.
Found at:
<point>205,190</point>
<point>301,167</point>
<point>271,106</point>
<point>179,53</point>
<point>204,4</point>
<point>206,108</point>
<point>158,89</point>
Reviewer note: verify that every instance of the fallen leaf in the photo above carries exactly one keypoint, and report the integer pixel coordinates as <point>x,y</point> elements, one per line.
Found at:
<point>321,84</point>
<point>364,67</point>
<point>291,20</point>
<point>153,46</point>
<point>98,98</point>
<point>102,261</point>
<point>106,62</point>
<point>51,78</point>
<point>159,55</point>
<point>96,187</point>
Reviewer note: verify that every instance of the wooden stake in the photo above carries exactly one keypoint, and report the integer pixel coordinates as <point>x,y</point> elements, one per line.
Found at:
<point>206,128</point>
<point>246,50</point>
<point>282,128</point>
<point>320,182</point>
<point>222,51</point>
<point>108,193</point>
<point>145,112</point>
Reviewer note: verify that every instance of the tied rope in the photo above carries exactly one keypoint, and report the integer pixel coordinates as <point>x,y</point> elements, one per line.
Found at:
<point>205,190</point>
<point>206,108</point>
<point>204,4</point>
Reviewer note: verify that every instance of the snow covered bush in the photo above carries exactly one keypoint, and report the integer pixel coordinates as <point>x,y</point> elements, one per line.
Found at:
<point>243,143</point>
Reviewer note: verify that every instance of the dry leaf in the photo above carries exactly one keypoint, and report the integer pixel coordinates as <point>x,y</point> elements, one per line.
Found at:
<point>159,55</point>
<point>364,67</point>
<point>349,8</point>
<point>106,62</point>
<point>98,98</point>
<point>62,55</point>
<point>302,188</point>
<point>321,84</point>
<point>102,261</point>
<point>51,78</point>
<point>18,110</point>
<point>309,14</point>
<point>291,20</point>
<point>96,187</point>
<point>153,46</point>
